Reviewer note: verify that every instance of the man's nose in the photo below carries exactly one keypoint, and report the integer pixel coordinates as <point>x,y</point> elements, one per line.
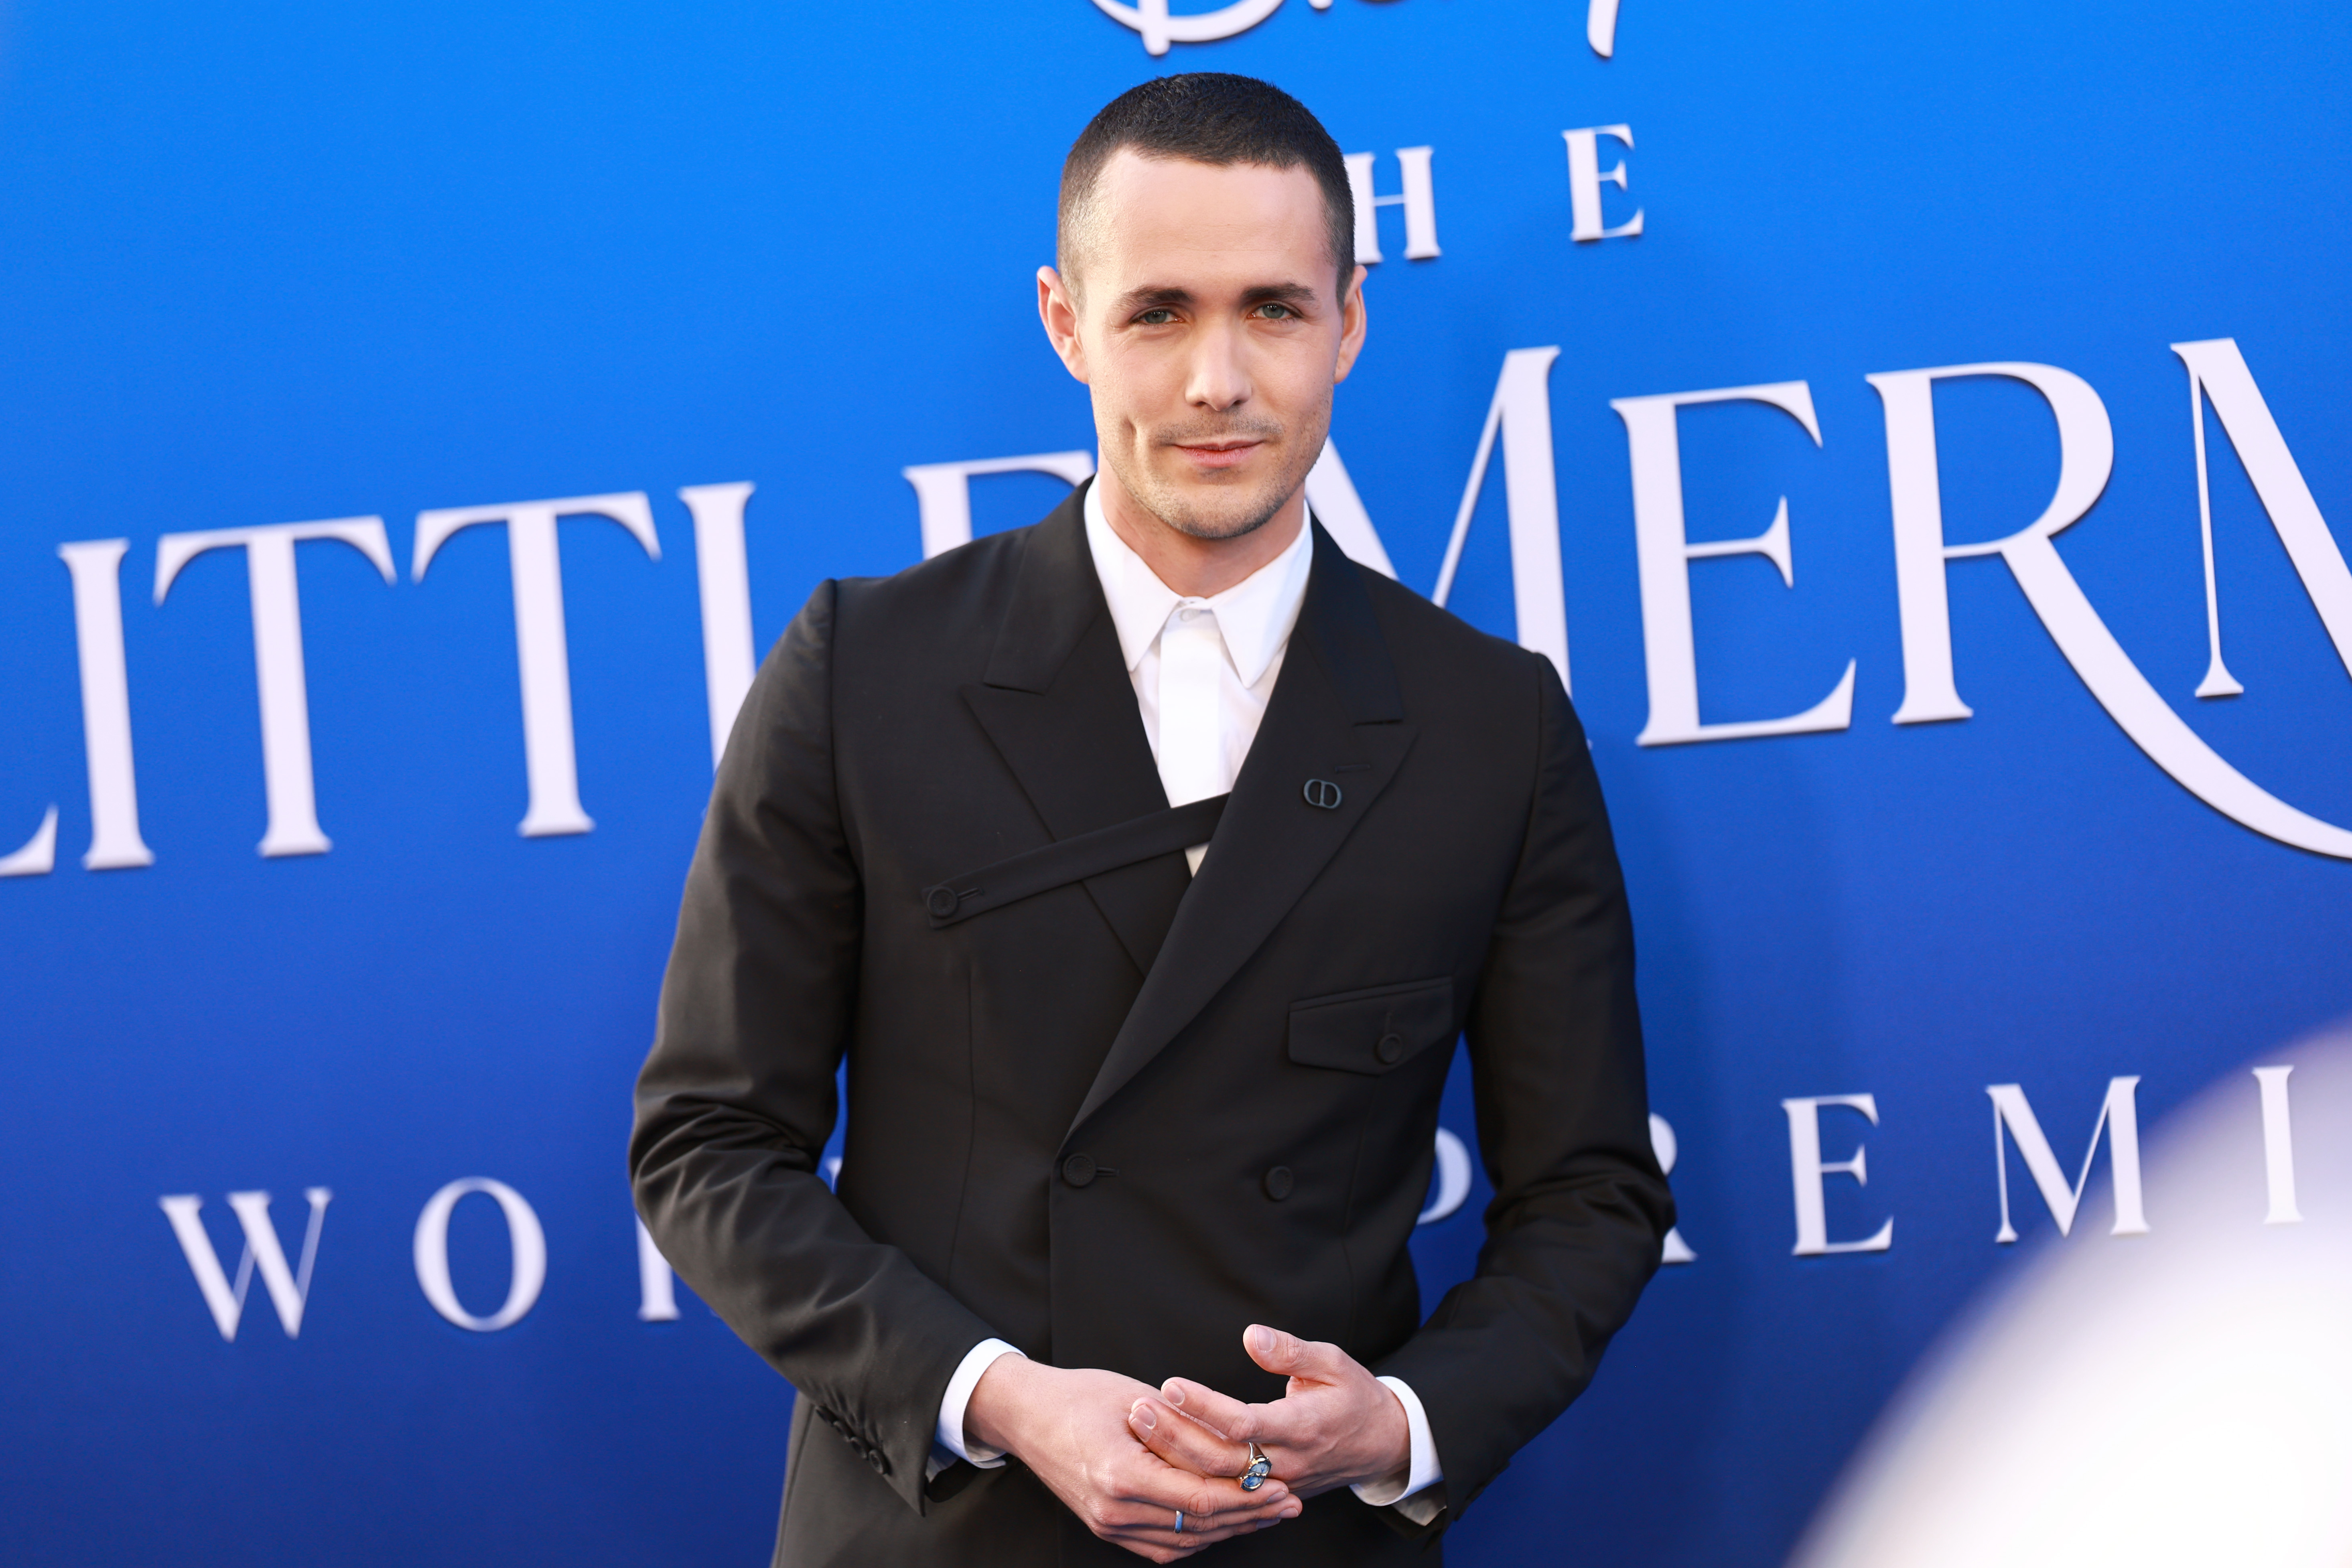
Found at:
<point>1219,379</point>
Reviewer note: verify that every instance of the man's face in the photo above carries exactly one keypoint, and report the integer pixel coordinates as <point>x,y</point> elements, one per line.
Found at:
<point>1208,322</point>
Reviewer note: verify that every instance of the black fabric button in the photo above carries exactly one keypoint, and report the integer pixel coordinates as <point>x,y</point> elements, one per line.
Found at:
<point>1391,1048</point>
<point>941,901</point>
<point>881,1463</point>
<point>1078,1170</point>
<point>1279,1183</point>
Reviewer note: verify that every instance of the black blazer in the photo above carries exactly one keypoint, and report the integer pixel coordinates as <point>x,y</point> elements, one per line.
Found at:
<point>1067,1111</point>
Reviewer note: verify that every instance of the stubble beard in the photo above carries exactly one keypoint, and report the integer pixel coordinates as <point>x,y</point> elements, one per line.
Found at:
<point>1243,514</point>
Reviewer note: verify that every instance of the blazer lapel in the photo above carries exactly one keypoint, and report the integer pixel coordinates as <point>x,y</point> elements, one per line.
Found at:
<point>1058,706</point>
<point>1337,720</point>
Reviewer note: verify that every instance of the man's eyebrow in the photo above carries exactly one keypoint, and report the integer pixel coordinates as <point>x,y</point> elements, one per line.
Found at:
<point>1152,296</point>
<point>1280,293</point>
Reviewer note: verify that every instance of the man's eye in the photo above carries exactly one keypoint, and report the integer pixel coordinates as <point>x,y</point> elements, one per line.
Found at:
<point>1155,317</point>
<point>1275,311</point>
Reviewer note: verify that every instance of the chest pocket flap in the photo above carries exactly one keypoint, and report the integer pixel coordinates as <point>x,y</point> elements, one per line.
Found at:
<point>1372,1031</point>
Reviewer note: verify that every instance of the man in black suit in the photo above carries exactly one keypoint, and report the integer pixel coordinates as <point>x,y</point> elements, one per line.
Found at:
<point>1146,865</point>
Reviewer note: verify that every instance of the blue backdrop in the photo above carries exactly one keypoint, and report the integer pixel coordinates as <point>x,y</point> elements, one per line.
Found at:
<point>270,263</point>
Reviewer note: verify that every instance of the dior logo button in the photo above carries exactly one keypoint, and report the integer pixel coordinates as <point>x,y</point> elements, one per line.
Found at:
<point>1279,1183</point>
<point>941,902</point>
<point>1322,792</point>
<point>1391,1049</point>
<point>1078,1170</point>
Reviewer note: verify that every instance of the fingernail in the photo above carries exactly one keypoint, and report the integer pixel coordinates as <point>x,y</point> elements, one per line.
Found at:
<point>1173,1392</point>
<point>1261,1340</point>
<point>1140,1414</point>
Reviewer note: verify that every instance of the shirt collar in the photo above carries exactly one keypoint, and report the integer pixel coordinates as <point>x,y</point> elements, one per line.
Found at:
<point>1255,616</point>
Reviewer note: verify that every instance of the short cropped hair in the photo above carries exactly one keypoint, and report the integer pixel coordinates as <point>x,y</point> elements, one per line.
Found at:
<point>1209,117</point>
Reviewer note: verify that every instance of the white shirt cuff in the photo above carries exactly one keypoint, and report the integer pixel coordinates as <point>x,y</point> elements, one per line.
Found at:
<point>1423,1472</point>
<point>947,1444</point>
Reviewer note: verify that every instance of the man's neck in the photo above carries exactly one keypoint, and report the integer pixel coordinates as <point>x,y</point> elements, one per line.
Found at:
<point>1193,567</point>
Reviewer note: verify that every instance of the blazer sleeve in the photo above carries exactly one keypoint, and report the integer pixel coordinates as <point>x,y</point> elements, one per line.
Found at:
<point>1580,1207</point>
<point>736,1098</point>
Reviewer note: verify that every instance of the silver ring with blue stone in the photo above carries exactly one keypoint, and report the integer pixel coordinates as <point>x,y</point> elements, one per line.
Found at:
<point>1260,1467</point>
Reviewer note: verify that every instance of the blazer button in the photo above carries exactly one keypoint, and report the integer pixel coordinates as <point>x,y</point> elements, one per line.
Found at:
<point>941,902</point>
<point>1391,1049</point>
<point>1279,1183</point>
<point>1078,1170</point>
<point>880,1462</point>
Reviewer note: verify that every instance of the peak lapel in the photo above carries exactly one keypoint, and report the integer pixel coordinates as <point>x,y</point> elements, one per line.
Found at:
<point>1336,718</point>
<point>1058,707</point>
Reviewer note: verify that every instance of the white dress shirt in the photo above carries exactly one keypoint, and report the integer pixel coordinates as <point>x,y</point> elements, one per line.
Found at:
<point>1203,669</point>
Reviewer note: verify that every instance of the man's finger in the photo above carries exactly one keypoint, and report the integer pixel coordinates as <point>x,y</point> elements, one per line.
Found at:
<point>1292,1356</point>
<point>1183,1443</point>
<point>1207,1510</point>
<point>1196,1531</point>
<point>1220,1413</point>
<point>1153,1550</point>
<point>1150,1483</point>
<point>1148,1528</point>
<point>1132,1524</point>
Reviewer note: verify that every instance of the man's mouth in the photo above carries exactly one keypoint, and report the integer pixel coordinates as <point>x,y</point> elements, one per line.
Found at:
<point>1223,454</point>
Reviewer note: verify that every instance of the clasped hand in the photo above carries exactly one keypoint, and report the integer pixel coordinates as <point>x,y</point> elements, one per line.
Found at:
<point>1126,1457</point>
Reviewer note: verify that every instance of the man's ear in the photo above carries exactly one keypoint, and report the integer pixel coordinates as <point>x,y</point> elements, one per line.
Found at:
<point>1058,308</point>
<point>1351,327</point>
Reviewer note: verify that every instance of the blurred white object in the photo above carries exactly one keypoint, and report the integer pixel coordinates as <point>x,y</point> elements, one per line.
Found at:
<point>2183,1396</point>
